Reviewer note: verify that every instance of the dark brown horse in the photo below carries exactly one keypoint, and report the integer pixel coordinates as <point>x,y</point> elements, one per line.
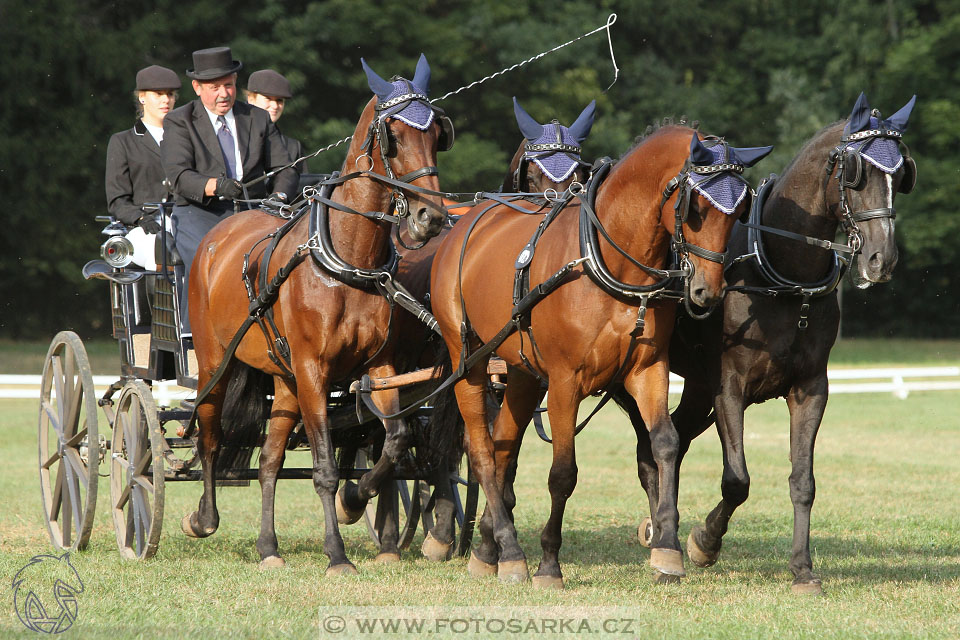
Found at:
<point>335,331</point>
<point>780,317</point>
<point>587,332</point>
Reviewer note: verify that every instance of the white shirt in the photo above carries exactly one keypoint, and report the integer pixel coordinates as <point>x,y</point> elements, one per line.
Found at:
<point>232,125</point>
<point>156,132</point>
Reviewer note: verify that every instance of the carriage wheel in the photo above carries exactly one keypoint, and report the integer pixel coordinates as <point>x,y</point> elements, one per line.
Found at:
<point>466,494</point>
<point>136,472</point>
<point>400,497</point>
<point>69,451</point>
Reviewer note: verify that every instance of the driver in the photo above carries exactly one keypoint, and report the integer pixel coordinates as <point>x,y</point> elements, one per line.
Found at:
<point>213,147</point>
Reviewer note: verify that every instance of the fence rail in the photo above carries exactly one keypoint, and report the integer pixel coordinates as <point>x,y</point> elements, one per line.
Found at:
<point>899,381</point>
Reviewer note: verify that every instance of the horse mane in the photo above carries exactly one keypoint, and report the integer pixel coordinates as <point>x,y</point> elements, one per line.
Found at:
<point>656,127</point>
<point>813,140</point>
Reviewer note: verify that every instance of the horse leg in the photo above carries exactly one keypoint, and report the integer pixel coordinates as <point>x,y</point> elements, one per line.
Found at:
<point>704,543</point>
<point>283,418</point>
<point>438,543</point>
<point>562,410</point>
<point>807,404</point>
<point>205,520</point>
<point>512,564</point>
<point>326,475</point>
<point>649,389</point>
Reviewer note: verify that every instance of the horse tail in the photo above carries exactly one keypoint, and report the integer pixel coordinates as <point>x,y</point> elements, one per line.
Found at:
<point>446,426</point>
<point>246,410</point>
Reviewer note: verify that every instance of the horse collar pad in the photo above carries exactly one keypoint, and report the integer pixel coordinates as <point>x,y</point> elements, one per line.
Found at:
<point>724,190</point>
<point>415,111</point>
<point>556,152</point>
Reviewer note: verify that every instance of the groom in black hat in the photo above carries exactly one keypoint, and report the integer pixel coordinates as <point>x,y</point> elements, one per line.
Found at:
<point>213,147</point>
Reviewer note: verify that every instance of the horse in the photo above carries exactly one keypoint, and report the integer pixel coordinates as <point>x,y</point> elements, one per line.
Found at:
<point>589,322</point>
<point>781,316</point>
<point>539,165</point>
<point>335,327</point>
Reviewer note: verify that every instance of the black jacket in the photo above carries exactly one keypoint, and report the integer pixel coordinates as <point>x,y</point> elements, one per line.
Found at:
<point>191,153</point>
<point>134,174</point>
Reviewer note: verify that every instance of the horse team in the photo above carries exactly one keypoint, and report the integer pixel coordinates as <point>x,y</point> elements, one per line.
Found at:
<point>579,292</point>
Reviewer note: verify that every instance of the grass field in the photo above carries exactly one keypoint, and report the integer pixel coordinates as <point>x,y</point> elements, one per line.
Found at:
<point>885,540</point>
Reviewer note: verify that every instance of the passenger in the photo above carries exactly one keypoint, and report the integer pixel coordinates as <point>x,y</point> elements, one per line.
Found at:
<point>269,90</point>
<point>134,174</point>
<point>212,145</point>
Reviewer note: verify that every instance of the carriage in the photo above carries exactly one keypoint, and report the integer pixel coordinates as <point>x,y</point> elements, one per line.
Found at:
<point>141,443</point>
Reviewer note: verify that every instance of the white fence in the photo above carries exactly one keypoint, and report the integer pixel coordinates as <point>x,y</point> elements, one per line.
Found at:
<point>899,381</point>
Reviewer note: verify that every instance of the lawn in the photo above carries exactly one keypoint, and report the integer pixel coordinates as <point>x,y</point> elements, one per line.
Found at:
<point>885,540</point>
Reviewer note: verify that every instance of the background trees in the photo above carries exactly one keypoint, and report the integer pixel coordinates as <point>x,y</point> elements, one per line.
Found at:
<point>755,71</point>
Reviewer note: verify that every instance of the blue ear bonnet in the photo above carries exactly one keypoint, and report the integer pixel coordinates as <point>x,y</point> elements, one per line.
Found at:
<point>556,164</point>
<point>724,190</point>
<point>415,110</point>
<point>880,150</point>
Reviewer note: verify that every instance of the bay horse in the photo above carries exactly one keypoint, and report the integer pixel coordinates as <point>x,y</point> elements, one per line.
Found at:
<point>335,330</point>
<point>781,316</point>
<point>538,165</point>
<point>593,328</point>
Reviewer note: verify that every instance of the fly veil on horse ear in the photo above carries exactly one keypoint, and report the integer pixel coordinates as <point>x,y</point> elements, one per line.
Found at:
<point>867,136</point>
<point>554,148</point>
<point>407,101</point>
<point>715,169</point>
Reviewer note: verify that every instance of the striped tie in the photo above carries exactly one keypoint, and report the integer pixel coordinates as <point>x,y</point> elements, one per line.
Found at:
<point>228,147</point>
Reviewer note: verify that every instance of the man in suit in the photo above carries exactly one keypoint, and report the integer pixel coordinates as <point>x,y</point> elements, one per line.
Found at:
<point>270,91</point>
<point>213,147</point>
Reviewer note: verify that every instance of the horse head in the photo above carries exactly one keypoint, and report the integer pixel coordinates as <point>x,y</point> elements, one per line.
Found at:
<point>405,133</point>
<point>717,196</point>
<point>871,166</point>
<point>549,156</point>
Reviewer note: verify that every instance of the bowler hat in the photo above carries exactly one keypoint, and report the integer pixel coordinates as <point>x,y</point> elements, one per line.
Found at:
<point>157,78</point>
<point>210,64</point>
<point>269,83</point>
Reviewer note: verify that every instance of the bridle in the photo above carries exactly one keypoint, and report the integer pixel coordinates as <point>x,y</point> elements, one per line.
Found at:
<point>378,135</point>
<point>846,165</point>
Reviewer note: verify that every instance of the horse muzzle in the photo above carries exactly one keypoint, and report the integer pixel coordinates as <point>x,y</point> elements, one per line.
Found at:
<point>425,222</point>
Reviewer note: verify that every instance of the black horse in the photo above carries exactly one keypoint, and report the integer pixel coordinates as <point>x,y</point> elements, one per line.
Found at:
<point>780,315</point>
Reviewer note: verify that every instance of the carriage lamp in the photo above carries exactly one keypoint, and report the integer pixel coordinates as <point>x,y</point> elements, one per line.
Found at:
<point>117,251</point>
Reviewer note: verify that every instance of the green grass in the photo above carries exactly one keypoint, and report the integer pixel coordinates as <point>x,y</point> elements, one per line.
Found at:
<point>885,539</point>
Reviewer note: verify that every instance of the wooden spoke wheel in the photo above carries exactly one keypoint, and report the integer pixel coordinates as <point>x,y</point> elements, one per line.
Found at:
<point>399,500</point>
<point>466,494</point>
<point>69,450</point>
<point>136,472</point>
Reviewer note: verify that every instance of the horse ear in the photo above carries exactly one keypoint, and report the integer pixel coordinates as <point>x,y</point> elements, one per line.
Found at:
<point>899,119</point>
<point>699,154</point>
<point>530,128</point>
<point>859,117</point>
<point>581,128</point>
<point>377,84</point>
<point>749,156</point>
<point>421,78</point>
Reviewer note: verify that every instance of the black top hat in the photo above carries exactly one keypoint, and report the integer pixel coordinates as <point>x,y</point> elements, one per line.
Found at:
<point>157,78</point>
<point>269,83</point>
<point>210,64</point>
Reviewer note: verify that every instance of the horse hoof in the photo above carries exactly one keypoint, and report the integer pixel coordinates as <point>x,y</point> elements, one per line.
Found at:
<point>808,587</point>
<point>272,562</point>
<point>645,532</point>
<point>665,578</point>
<point>513,571</point>
<point>548,582</point>
<point>190,528</point>
<point>667,561</point>
<point>479,569</point>
<point>345,569</point>
<point>697,555</point>
<point>434,550</point>
<point>345,515</point>
<point>387,558</point>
